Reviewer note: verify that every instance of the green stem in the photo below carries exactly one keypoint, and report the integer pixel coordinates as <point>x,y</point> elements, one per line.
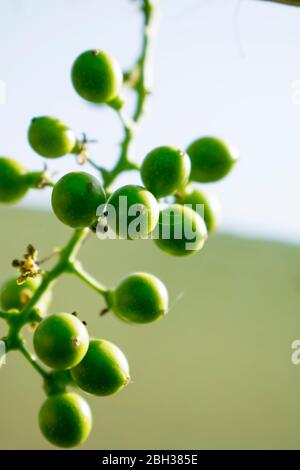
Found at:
<point>38,179</point>
<point>32,360</point>
<point>94,164</point>
<point>50,184</point>
<point>295,3</point>
<point>73,246</point>
<point>5,315</point>
<point>144,62</point>
<point>77,269</point>
<point>129,127</point>
<point>142,89</point>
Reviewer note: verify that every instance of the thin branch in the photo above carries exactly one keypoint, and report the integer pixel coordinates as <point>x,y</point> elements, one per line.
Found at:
<point>144,61</point>
<point>142,88</point>
<point>77,269</point>
<point>295,3</point>
<point>32,360</point>
<point>5,315</point>
<point>94,165</point>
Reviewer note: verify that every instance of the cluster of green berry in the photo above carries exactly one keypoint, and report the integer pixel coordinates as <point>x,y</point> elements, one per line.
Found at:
<point>165,171</point>
<point>61,341</point>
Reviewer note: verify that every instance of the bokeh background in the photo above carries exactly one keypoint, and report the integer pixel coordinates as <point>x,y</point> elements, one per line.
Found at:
<point>217,372</point>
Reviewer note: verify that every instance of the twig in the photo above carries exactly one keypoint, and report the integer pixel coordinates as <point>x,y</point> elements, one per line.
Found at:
<point>142,88</point>
<point>32,360</point>
<point>77,269</point>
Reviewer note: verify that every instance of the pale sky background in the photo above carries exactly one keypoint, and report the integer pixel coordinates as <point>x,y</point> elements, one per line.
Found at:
<point>229,68</point>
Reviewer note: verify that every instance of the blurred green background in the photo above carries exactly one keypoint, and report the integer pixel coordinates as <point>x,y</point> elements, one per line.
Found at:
<point>215,373</point>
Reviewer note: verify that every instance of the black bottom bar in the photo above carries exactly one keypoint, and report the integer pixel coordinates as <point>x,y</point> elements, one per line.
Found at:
<point>136,458</point>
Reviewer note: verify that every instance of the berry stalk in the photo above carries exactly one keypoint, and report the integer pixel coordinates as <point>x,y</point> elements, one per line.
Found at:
<point>32,360</point>
<point>76,268</point>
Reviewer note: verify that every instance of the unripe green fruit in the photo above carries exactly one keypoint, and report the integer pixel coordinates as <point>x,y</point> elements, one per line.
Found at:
<point>165,170</point>
<point>104,369</point>
<point>50,137</point>
<point>142,208</point>
<point>65,419</point>
<point>15,296</point>
<point>75,199</point>
<point>61,341</point>
<point>140,298</point>
<point>97,77</point>
<point>211,159</point>
<point>181,231</point>
<point>208,205</point>
<point>13,183</point>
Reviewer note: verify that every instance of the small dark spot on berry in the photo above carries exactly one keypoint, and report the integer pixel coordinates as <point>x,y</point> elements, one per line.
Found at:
<point>90,186</point>
<point>105,213</point>
<point>74,313</point>
<point>95,52</point>
<point>84,322</point>
<point>76,342</point>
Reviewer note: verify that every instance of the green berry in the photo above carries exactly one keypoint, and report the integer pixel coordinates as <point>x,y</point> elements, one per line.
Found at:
<point>13,183</point>
<point>97,77</point>
<point>61,341</point>
<point>181,231</point>
<point>211,159</point>
<point>75,199</point>
<point>50,137</point>
<point>132,212</point>
<point>65,419</point>
<point>208,205</point>
<point>104,369</point>
<point>165,170</point>
<point>15,296</point>
<point>140,298</point>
